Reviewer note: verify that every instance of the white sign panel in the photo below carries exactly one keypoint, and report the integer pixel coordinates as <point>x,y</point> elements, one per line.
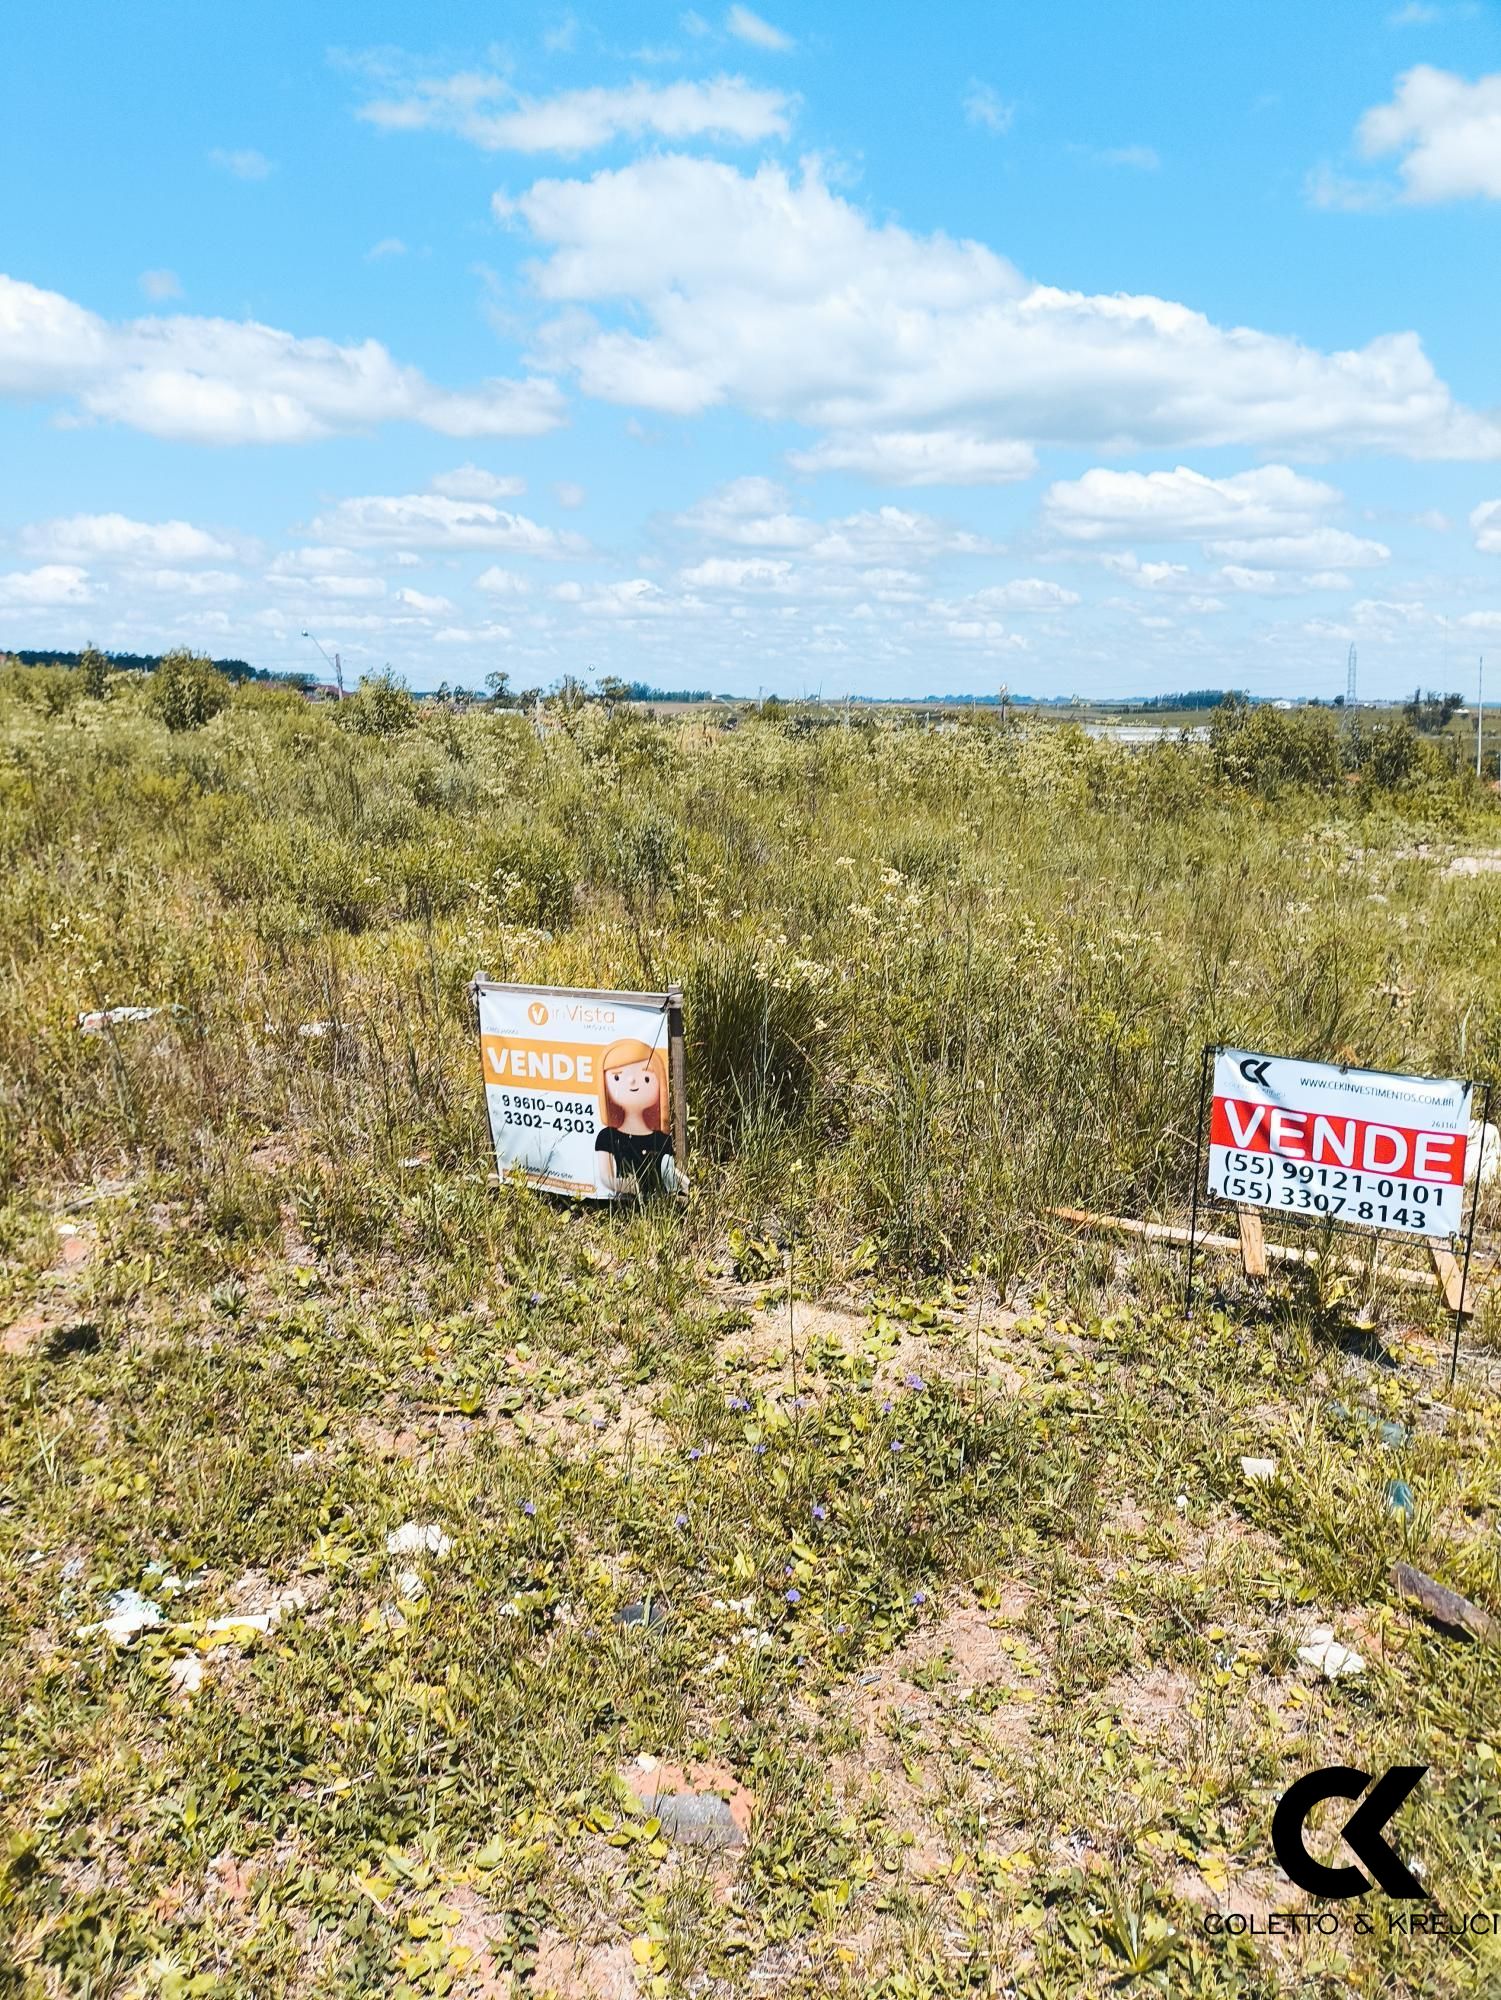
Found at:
<point>577,1088</point>
<point>1368,1149</point>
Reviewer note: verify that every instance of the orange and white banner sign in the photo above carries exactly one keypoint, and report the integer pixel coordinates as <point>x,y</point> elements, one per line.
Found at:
<point>1372,1149</point>
<point>577,1087</point>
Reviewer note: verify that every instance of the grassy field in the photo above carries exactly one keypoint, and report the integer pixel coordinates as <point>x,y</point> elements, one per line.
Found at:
<point>855,1486</point>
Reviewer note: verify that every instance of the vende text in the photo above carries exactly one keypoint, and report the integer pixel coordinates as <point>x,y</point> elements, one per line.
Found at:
<point>1328,1141</point>
<point>543,1065</point>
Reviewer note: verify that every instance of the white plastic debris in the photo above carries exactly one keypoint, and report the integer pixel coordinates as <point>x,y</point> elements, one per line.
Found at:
<point>414,1538</point>
<point>314,1031</point>
<point>187,1673</point>
<point>1325,1653</point>
<point>1259,1471</point>
<point>258,1621</point>
<point>1181,1503</point>
<point>99,1018</point>
<point>130,1615</point>
<point>410,1587</point>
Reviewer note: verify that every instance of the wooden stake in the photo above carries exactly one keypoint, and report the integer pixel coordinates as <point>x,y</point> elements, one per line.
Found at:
<point>678,1073</point>
<point>1450,1276</point>
<point>1252,1243</point>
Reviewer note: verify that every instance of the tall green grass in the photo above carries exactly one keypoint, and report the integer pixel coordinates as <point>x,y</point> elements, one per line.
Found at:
<point>937,980</point>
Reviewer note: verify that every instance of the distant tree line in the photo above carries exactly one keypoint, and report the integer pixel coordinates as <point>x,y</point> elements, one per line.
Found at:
<point>139,663</point>
<point>1195,698</point>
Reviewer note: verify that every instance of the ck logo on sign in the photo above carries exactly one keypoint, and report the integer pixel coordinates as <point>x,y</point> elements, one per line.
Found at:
<point>1361,1832</point>
<point>537,1014</point>
<point>1253,1069</point>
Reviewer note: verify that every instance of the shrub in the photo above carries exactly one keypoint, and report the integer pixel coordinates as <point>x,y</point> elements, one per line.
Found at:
<point>187,690</point>
<point>1264,748</point>
<point>93,673</point>
<point>1386,753</point>
<point>532,872</point>
<point>382,706</point>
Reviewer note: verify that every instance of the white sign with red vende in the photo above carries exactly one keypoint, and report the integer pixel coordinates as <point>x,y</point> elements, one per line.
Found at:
<point>1370,1149</point>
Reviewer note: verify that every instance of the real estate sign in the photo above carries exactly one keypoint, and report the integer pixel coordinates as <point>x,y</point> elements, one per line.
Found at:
<point>1370,1149</point>
<point>578,1087</point>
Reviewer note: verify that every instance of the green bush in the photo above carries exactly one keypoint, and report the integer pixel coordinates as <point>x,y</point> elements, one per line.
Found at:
<point>187,690</point>
<point>382,706</point>
<point>1264,748</point>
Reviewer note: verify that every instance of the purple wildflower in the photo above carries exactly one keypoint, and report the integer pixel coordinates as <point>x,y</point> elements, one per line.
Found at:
<point>896,1444</point>
<point>529,1508</point>
<point>794,1596</point>
<point>919,1597</point>
<point>887,1407</point>
<point>820,1513</point>
<point>680,1521</point>
<point>737,1403</point>
<point>916,1382</point>
<point>695,1452</point>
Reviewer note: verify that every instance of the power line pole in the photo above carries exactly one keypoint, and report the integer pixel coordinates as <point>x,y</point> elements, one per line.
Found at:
<point>1479,712</point>
<point>336,663</point>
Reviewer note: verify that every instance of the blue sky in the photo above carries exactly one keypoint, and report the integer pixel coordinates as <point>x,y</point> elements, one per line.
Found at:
<point>835,348</point>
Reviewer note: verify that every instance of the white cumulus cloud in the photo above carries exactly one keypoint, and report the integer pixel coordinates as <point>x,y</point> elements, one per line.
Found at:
<point>754,513</point>
<point>52,583</point>
<point>1184,505</point>
<point>217,381</point>
<point>472,482</point>
<point>116,538</point>
<point>1025,593</point>
<point>1486,523</point>
<point>429,607</point>
<point>740,573</point>
<point>1318,549</point>
<point>489,113</point>
<point>432,521</point>
<point>920,458</point>
<point>684,284</point>
<point>1446,132</point>
<point>500,582</point>
<point>748,27</point>
<point>188,582</point>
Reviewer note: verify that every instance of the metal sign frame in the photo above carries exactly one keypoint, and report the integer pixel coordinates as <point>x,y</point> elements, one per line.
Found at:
<point>1206,1070</point>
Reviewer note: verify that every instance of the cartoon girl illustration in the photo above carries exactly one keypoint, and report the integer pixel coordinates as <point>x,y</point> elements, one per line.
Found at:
<point>633,1148</point>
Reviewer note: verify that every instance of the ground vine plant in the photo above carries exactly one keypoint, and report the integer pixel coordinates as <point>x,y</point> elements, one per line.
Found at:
<point>374,1535</point>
